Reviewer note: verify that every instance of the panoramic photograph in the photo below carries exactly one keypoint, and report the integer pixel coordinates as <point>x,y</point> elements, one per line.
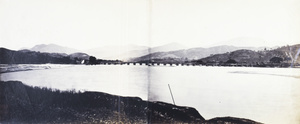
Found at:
<point>150,61</point>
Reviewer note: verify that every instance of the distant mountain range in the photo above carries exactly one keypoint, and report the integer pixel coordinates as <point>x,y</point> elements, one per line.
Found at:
<point>131,51</point>
<point>285,54</point>
<point>53,48</point>
<point>33,57</point>
<point>122,52</point>
<point>192,53</point>
<point>173,51</point>
<point>117,52</point>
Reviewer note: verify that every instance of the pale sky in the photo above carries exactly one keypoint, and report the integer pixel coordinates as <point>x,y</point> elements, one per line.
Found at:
<point>85,24</point>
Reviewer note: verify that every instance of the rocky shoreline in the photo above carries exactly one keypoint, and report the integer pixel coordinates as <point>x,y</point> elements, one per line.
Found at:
<point>20,103</point>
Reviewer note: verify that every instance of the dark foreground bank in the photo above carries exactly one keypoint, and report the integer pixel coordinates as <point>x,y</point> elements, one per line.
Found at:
<point>20,103</point>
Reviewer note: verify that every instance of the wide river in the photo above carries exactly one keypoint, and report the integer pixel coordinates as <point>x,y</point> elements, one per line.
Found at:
<point>268,95</point>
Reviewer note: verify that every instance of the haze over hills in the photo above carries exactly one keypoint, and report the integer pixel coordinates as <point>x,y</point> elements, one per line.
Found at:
<point>33,57</point>
<point>245,42</point>
<point>130,51</point>
<point>286,54</point>
<point>53,48</point>
<point>168,47</point>
<point>213,55</point>
<point>142,53</point>
<point>138,53</point>
<point>192,53</point>
<point>114,52</point>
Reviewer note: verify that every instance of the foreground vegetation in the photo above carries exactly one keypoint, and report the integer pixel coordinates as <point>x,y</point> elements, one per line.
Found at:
<point>20,103</point>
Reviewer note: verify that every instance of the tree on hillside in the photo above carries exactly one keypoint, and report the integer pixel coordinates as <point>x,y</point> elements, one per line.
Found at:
<point>276,60</point>
<point>92,60</point>
<point>198,62</point>
<point>231,61</point>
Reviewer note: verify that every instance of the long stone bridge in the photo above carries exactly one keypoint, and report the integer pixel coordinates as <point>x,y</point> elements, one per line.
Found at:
<point>149,64</point>
<point>171,64</point>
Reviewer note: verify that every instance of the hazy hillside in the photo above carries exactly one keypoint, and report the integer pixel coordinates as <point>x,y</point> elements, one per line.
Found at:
<point>131,51</point>
<point>32,57</point>
<point>53,48</point>
<point>244,56</point>
<point>189,54</point>
<point>286,53</point>
<point>167,47</point>
<point>293,49</point>
<point>82,56</point>
<point>117,52</point>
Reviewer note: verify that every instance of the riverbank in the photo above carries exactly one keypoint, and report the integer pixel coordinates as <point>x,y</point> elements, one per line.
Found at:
<point>5,68</point>
<point>24,104</point>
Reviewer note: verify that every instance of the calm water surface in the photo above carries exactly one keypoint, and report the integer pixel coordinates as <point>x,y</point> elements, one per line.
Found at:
<point>268,95</point>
